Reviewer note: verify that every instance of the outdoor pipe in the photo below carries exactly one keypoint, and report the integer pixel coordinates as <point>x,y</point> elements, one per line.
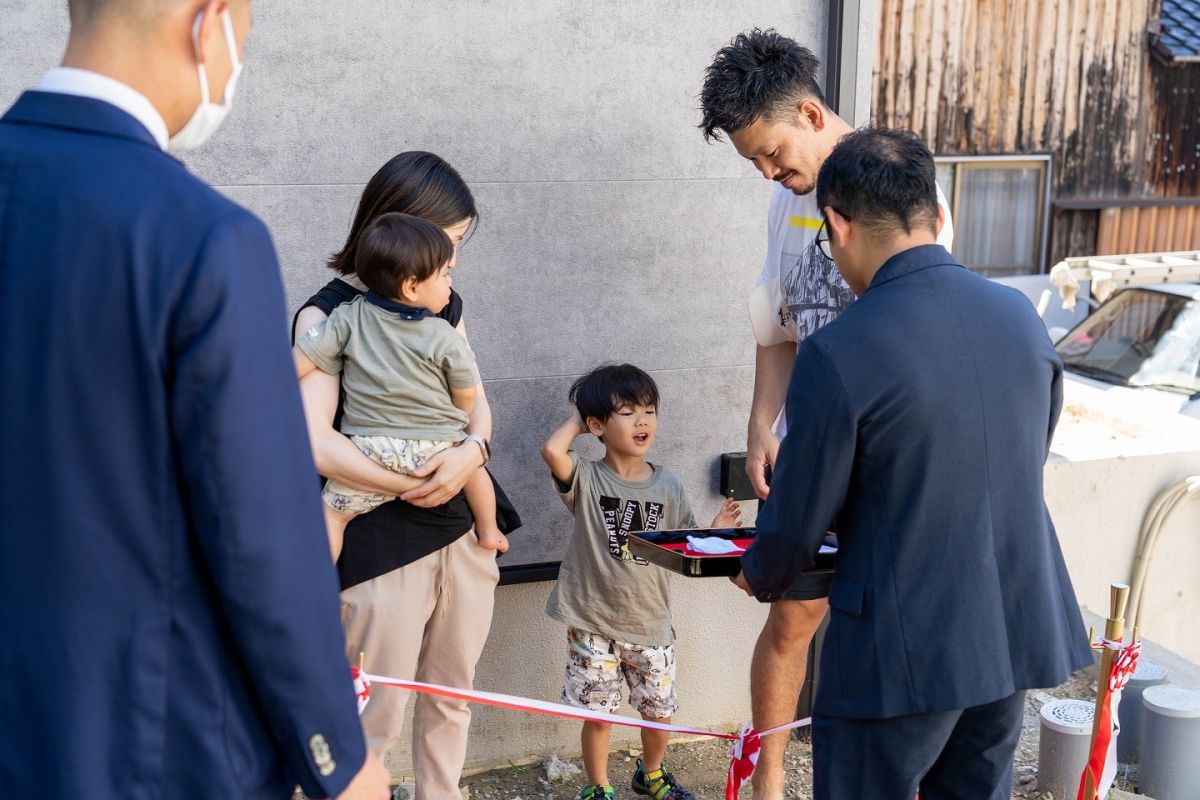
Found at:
<point>1156,516</point>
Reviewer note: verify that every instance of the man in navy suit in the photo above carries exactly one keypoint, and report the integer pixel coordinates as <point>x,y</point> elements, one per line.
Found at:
<point>919,423</point>
<point>170,623</point>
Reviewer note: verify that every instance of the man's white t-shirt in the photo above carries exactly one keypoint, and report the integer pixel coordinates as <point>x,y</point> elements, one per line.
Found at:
<point>800,290</point>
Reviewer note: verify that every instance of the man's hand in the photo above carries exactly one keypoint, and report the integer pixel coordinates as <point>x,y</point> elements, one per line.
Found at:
<point>447,473</point>
<point>740,581</point>
<point>730,515</point>
<point>761,449</point>
<point>772,374</point>
<point>371,783</point>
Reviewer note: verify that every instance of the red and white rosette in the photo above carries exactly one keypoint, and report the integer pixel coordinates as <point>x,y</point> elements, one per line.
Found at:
<point>362,688</point>
<point>743,758</point>
<point>1124,667</point>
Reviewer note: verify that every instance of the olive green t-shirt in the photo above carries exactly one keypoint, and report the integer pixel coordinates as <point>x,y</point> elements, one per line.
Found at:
<point>602,588</point>
<point>396,372</point>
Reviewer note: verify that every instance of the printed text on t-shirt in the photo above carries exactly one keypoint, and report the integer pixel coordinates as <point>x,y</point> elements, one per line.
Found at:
<point>623,516</point>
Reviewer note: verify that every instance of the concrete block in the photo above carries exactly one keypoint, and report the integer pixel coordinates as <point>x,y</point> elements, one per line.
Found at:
<point>539,90</point>
<point>308,223</point>
<point>561,277</point>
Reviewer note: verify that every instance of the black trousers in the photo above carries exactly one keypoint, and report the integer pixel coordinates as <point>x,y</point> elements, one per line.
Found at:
<point>965,754</point>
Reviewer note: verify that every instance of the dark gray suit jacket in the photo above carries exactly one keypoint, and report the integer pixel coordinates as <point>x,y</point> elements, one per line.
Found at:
<point>918,424</point>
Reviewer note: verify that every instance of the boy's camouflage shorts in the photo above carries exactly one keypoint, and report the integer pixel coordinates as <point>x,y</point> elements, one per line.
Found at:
<point>596,664</point>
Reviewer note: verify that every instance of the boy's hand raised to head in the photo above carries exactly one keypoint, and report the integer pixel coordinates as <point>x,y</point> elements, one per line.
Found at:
<point>556,449</point>
<point>730,515</point>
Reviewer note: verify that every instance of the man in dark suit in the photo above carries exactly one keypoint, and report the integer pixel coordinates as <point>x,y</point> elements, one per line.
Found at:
<point>170,623</point>
<point>920,422</point>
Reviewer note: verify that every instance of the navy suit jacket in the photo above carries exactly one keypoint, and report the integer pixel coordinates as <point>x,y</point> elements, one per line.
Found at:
<point>170,623</point>
<point>920,421</point>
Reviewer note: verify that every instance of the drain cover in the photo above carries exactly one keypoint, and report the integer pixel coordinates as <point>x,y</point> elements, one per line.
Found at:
<point>1069,716</point>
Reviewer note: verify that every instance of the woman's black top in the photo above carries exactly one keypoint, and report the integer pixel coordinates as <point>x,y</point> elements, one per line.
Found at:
<point>398,533</point>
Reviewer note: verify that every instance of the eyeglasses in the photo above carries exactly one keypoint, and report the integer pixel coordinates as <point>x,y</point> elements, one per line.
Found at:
<point>823,240</point>
<point>823,236</point>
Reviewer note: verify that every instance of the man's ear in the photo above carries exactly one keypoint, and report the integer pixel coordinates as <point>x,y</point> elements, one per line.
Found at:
<point>812,113</point>
<point>941,220</point>
<point>838,226</point>
<point>209,33</point>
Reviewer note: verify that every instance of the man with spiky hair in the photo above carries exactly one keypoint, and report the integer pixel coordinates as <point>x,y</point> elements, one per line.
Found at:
<point>761,92</point>
<point>170,617</point>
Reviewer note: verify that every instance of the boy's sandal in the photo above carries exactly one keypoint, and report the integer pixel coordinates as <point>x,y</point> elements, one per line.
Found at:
<point>659,784</point>
<point>597,792</point>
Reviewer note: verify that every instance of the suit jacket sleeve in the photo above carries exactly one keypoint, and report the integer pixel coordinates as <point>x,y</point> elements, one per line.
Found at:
<point>250,485</point>
<point>1056,401</point>
<point>811,476</point>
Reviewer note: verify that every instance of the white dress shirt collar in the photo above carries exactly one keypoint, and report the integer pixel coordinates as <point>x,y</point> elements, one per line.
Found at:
<point>85,83</point>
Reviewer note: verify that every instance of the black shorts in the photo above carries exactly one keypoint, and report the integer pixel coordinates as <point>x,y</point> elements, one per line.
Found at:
<point>809,586</point>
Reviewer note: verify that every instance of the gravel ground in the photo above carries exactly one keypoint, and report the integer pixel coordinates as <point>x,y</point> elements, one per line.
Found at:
<point>701,765</point>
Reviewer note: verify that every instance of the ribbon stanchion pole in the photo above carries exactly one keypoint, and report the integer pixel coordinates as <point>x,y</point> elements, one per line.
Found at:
<point>1114,630</point>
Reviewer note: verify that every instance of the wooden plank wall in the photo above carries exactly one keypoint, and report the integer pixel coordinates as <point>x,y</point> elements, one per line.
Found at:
<point>1070,77</point>
<point>1019,76</point>
<point>1175,140</point>
<point>1148,230</point>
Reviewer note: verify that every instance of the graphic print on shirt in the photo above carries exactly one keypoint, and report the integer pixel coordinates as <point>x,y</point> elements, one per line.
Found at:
<point>812,289</point>
<point>621,517</point>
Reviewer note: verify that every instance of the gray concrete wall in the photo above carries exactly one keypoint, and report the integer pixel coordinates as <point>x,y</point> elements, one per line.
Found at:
<point>609,230</point>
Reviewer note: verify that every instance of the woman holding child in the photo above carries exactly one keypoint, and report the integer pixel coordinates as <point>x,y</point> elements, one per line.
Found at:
<point>417,585</point>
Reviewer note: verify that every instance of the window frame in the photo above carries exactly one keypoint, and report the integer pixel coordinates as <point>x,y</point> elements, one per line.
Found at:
<point>1043,162</point>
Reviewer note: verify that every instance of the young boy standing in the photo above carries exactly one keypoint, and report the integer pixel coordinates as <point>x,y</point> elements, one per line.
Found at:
<point>615,605</point>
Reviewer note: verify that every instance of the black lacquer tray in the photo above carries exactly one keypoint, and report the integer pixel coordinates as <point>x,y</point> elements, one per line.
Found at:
<point>669,550</point>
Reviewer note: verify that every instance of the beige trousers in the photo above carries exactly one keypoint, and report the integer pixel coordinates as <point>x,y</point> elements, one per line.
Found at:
<point>426,621</point>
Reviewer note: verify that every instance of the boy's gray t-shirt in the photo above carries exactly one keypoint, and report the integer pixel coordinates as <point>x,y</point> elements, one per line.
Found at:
<point>396,372</point>
<point>601,587</point>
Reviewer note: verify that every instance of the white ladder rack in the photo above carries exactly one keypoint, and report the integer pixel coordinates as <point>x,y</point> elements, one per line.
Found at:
<point>1110,273</point>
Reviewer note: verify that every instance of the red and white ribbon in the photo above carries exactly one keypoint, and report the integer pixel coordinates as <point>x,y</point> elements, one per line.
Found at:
<point>743,755</point>
<point>1102,761</point>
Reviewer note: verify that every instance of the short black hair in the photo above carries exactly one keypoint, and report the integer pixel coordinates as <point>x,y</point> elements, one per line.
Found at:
<point>413,182</point>
<point>883,179</point>
<point>396,247</point>
<point>85,13</point>
<point>761,73</point>
<point>610,387</point>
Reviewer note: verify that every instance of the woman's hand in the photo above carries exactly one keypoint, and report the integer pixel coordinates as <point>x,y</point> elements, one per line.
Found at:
<point>446,474</point>
<point>730,515</point>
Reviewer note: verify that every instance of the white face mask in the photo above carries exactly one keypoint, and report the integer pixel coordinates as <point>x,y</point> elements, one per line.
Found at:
<point>209,116</point>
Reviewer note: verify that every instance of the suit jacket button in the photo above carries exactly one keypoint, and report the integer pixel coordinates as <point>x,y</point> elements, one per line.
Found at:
<point>321,755</point>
